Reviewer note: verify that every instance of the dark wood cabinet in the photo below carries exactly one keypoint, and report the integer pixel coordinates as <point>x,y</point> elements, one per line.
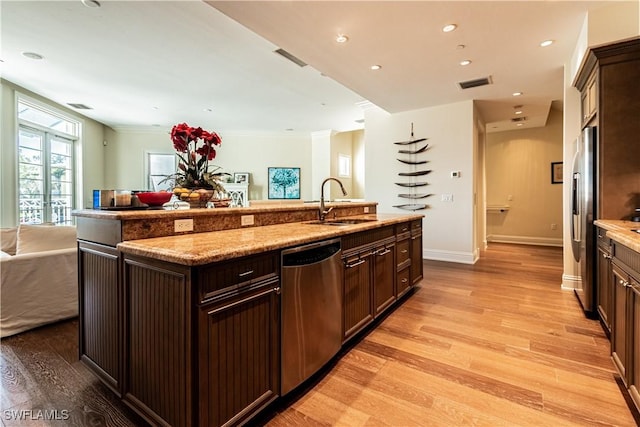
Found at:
<point>403,260</point>
<point>384,271</point>
<point>604,284</point>
<point>608,82</point>
<point>620,321</point>
<point>625,325</point>
<point>101,337</point>
<point>239,356</point>
<point>416,252</point>
<point>358,302</point>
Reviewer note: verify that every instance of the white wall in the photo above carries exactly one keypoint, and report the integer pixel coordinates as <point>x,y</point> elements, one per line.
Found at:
<point>448,227</point>
<point>239,152</point>
<point>518,167</point>
<point>89,160</point>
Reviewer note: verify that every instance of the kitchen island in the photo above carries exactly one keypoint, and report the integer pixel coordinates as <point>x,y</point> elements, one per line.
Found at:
<point>186,327</point>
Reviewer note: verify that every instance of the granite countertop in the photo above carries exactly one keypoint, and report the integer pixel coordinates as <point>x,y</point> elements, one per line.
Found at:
<point>620,231</point>
<point>203,248</point>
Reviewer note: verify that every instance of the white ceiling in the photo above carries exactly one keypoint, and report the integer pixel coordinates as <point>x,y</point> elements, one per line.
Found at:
<point>140,64</point>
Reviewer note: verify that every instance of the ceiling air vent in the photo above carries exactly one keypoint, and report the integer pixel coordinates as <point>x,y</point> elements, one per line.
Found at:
<point>519,119</point>
<point>79,106</point>
<point>290,57</point>
<point>475,83</point>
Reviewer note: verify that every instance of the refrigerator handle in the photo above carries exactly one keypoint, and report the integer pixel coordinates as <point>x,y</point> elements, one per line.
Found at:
<point>576,221</point>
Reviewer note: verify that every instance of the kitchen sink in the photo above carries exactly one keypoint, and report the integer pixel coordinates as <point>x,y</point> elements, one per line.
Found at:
<point>343,221</point>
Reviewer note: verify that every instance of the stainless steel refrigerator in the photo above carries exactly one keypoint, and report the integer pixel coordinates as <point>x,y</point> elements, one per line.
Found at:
<point>583,213</point>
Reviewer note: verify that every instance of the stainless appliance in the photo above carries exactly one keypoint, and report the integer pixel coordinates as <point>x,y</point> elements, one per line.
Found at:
<point>311,310</point>
<point>583,213</point>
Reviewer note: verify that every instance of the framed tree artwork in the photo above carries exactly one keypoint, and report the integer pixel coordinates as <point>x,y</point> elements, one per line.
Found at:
<point>284,183</point>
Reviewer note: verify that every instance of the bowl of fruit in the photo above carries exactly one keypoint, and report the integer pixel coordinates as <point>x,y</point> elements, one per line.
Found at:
<point>154,198</point>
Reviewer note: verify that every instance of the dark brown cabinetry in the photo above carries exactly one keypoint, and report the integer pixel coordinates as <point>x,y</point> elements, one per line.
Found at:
<point>625,326</point>
<point>358,303</point>
<point>416,251</point>
<point>604,288</point>
<point>101,324</point>
<point>384,271</point>
<point>403,259</point>
<point>608,82</point>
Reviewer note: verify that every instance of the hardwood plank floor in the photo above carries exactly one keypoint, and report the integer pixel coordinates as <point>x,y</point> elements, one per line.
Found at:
<point>493,344</point>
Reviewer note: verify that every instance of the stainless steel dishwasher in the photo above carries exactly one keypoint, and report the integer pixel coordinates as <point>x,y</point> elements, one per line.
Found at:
<point>311,310</point>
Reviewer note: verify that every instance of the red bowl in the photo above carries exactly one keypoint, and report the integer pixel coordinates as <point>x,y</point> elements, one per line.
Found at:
<point>154,198</point>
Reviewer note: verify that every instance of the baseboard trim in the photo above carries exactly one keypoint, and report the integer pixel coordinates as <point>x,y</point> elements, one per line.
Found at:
<point>525,240</point>
<point>450,256</point>
<point>570,282</point>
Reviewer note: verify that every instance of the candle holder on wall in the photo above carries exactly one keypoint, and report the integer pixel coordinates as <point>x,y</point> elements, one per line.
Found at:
<point>415,170</point>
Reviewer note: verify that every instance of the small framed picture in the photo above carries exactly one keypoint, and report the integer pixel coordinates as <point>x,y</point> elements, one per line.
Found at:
<point>284,183</point>
<point>556,173</point>
<point>241,177</point>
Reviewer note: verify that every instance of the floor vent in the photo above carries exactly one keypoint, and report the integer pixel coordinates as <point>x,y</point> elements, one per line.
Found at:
<point>475,83</point>
<point>299,62</point>
<point>79,106</point>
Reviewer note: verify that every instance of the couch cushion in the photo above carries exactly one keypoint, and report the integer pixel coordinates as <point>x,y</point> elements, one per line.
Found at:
<point>39,238</point>
<point>8,239</point>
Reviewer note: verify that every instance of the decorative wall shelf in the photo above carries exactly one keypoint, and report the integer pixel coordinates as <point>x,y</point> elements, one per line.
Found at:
<point>416,166</point>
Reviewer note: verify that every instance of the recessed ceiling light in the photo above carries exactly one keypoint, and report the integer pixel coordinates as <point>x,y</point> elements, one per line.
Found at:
<point>448,28</point>
<point>465,62</point>
<point>32,55</point>
<point>341,38</point>
<point>91,3</point>
<point>519,124</point>
<point>207,110</point>
<point>517,94</point>
<point>460,46</point>
<point>518,112</point>
<point>376,67</point>
<point>546,43</point>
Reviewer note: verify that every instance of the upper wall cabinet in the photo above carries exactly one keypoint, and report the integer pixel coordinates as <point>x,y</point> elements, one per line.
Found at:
<point>608,81</point>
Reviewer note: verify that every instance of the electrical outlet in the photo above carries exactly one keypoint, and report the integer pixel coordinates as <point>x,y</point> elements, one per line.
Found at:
<point>182,225</point>
<point>554,226</point>
<point>447,197</point>
<point>246,220</point>
<point>366,209</point>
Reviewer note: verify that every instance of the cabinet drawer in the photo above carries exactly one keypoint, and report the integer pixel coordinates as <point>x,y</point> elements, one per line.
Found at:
<point>403,228</point>
<point>416,226</point>
<point>402,252</point>
<point>603,240</point>
<point>403,282</point>
<point>221,278</point>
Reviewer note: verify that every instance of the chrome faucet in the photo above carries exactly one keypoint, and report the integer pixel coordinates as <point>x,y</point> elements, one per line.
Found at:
<point>322,213</point>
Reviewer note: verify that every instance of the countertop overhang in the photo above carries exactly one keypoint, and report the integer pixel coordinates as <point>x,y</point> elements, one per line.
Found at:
<point>620,231</point>
<point>207,247</point>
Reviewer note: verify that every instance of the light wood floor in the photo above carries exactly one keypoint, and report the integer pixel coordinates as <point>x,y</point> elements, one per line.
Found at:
<point>494,344</point>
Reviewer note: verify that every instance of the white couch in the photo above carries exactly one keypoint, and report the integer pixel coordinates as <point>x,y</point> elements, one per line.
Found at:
<point>39,276</point>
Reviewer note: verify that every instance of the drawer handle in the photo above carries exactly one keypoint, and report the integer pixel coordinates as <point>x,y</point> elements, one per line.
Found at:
<point>383,252</point>
<point>405,280</point>
<point>404,251</point>
<point>244,300</point>
<point>355,264</point>
<point>414,237</point>
<point>606,256</point>
<point>624,283</point>
<point>246,273</point>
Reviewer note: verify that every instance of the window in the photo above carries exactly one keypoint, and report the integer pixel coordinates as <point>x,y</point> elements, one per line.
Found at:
<point>45,165</point>
<point>159,166</point>
<point>344,166</point>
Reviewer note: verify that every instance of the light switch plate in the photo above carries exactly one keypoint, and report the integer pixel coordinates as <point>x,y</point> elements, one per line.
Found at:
<point>447,197</point>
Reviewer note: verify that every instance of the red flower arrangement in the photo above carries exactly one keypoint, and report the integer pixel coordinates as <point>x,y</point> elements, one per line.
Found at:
<point>195,147</point>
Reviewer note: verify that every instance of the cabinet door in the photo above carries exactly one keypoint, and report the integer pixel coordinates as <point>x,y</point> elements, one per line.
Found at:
<point>384,268</point>
<point>416,255</point>
<point>101,334</point>
<point>403,282</point>
<point>634,377</point>
<point>605,288</point>
<point>620,322</point>
<point>239,356</point>
<point>358,302</point>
